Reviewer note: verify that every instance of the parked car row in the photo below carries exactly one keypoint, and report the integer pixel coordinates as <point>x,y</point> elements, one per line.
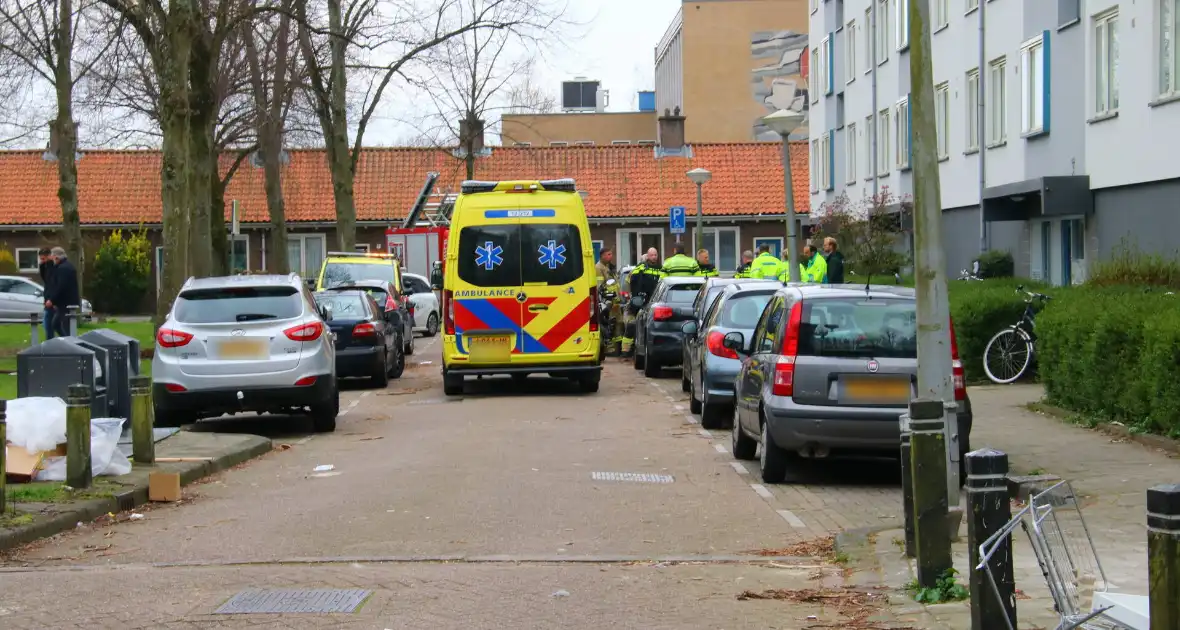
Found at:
<point>796,371</point>
<point>21,297</point>
<point>275,344</point>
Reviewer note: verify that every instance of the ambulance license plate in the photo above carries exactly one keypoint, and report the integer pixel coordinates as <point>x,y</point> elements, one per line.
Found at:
<point>490,348</point>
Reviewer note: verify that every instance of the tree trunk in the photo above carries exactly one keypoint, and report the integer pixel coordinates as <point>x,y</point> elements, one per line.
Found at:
<point>339,154</point>
<point>202,155</point>
<point>217,231</point>
<point>67,134</point>
<point>174,178</point>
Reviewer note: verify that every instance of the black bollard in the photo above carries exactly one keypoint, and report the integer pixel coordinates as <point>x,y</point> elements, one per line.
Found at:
<point>988,511</point>
<point>34,329</point>
<point>3,453</point>
<point>932,539</point>
<point>907,485</point>
<point>1163,555</point>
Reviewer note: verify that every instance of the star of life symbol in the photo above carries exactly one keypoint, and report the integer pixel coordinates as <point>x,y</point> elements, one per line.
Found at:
<point>552,254</point>
<point>489,256</point>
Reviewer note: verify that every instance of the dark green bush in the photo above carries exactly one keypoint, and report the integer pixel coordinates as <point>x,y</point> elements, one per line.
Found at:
<point>979,310</point>
<point>996,263</point>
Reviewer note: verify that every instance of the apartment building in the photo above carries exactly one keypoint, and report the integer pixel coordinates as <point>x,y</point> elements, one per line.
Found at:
<point>728,63</point>
<point>1078,152</point>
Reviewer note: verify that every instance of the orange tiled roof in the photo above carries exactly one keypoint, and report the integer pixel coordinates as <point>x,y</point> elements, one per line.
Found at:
<point>123,187</point>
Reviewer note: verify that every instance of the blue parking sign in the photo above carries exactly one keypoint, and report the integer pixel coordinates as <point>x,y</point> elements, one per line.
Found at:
<point>676,219</point>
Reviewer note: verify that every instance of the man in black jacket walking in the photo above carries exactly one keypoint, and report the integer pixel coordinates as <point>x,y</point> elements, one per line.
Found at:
<point>835,261</point>
<point>45,269</point>
<point>64,291</point>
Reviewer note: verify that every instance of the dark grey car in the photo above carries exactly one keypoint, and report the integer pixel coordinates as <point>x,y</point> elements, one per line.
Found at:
<point>829,369</point>
<point>709,366</point>
<point>658,337</point>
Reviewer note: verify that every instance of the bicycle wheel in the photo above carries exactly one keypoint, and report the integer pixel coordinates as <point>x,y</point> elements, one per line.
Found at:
<point>1007,356</point>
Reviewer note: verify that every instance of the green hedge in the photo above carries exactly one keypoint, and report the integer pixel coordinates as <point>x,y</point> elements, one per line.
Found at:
<point>1114,353</point>
<point>979,311</point>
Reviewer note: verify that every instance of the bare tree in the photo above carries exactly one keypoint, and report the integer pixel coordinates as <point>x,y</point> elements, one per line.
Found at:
<point>40,38</point>
<point>355,34</point>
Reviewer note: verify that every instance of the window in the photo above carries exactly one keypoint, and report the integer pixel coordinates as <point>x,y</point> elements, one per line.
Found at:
<point>942,106</point>
<point>901,133</point>
<point>997,127</point>
<point>766,332</point>
<point>825,159</point>
<point>584,143</point>
<point>522,144</point>
<point>901,23</point>
<point>598,245</point>
<point>237,304</point>
<point>973,109</point>
<point>883,143</point>
<point>815,167</point>
<point>722,245</point>
<point>972,5</point>
<point>850,57</point>
<point>646,142</point>
<point>851,155</point>
<point>867,52</point>
<point>1106,63</point>
<point>744,309</point>
<point>27,260</point>
<point>1034,86</point>
<point>1169,58</point>
<point>942,10</point>
<point>620,142</point>
<point>775,243</point>
<point>882,34</point>
<point>305,254</point>
<point>507,255</point>
<point>559,143</point>
<point>813,76</point>
<point>239,253</point>
<point>857,328</point>
<point>824,70</point>
<point>361,248</point>
<point>337,273</point>
<point>868,152</point>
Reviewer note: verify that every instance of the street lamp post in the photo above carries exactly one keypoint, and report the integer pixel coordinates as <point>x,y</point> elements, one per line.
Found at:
<point>700,177</point>
<point>783,122</point>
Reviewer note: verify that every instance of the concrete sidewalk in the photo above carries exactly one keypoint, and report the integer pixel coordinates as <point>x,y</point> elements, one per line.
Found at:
<point>223,450</point>
<point>1110,474</point>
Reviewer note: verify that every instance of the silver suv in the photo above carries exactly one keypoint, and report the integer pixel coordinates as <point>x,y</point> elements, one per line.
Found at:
<point>242,344</point>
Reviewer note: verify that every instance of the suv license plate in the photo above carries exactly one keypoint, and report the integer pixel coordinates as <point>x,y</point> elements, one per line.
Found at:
<point>490,348</point>
<point>241,349</point>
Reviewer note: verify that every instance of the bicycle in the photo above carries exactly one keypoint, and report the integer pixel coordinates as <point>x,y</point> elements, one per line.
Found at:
<point>1014,347</point>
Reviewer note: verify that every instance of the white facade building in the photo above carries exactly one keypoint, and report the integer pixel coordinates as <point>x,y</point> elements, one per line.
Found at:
<point>1081,113</point>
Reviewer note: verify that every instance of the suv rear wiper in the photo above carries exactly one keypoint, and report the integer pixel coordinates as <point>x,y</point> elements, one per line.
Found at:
<point>249,317</point>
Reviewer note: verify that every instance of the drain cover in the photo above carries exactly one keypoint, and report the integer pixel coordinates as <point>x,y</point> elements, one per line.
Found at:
<point>297,601</point>
<point>635,477</point>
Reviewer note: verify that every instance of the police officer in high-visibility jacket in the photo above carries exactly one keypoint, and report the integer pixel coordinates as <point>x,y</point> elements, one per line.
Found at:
<point>744,270</point>
<point>766,265</point>
<point>679,264</point>
<point>644,279</point>
<point>705,268</point>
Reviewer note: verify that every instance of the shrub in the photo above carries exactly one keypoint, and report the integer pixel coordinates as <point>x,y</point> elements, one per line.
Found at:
<point>7,263</point>
<point>1127,266</point>
<point>122,271</point>
<point>996,263</point>
<point>868,232</point>
<point>979,311</point>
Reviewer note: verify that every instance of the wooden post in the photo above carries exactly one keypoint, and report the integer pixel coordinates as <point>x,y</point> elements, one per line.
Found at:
<point>3,453</point>
<point>34,329</point>
<point>143,446</point>
<point>932,541</point>
<point>1163,555</point>
<point>907,485</point>
<point>78,473</point>
<point>988,511</point>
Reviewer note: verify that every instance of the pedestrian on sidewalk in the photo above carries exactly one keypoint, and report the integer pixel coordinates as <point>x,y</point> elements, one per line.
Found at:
<point>65,292</point>
<point>46,269</point>
<point>835,260</point>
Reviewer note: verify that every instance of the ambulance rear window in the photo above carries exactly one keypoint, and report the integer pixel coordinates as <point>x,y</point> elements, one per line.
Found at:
<point>515,255</point>
<point>550,253</point>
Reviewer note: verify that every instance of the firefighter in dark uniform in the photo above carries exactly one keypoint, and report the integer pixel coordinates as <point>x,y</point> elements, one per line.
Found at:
<point>644,279</point>
<point>704,268</point>
<point>744,270</point>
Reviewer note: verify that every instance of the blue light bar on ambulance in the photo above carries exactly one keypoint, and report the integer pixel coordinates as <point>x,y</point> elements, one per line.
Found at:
<point>475,186</point>
<point>559,185</point>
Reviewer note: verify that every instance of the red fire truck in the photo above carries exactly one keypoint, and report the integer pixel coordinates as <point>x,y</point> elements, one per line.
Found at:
<point>420,243</point>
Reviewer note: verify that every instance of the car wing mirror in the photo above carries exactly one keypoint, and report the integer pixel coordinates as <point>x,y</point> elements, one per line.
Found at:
<point>326,312</point>
<point>689,328</point>
<point>735,341</point>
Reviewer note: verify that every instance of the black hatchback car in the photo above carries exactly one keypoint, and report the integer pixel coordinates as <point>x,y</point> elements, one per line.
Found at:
<point>367,341</point>
<point>659,340</point>
<point>399,310</point>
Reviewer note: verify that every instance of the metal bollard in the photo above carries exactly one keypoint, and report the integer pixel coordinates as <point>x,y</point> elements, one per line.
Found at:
<point>143,446</point>
<point>1163,555</point>
<point>34,329</point>
<point>932,540</point>
<point>3,453</point>
<point>72,313</point>
<point>907,485</point>
<point>988,512</point>
<point>78,472</point>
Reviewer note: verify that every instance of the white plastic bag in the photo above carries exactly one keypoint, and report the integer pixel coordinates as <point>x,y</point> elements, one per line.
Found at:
<point>105,456</point>
<point>37,424</point>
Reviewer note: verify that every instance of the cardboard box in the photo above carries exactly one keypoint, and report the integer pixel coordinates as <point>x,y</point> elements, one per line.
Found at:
<point>164,486</point>
<point>19,464</point>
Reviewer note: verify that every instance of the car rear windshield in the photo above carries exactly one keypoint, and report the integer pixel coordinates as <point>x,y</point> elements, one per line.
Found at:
<point>742,311</point>
<point>344,305</point>
<point>516,255</point>
<point>340,272</point>
<point>682,293</point>
<point>237,304</point>
<point>859,327</point>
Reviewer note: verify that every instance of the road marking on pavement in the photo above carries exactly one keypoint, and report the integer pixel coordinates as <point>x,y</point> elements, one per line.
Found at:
<point>738,468</point>
<point>791,519</point>
<point>678,407</point>
<point>705,434</point>
<point>304,440</point>
<point>719,448</point>
<point>354,403</point>
<point>342,412</point>
<point>761,491</point>
<point>363,394</point>
<point>690,419</point>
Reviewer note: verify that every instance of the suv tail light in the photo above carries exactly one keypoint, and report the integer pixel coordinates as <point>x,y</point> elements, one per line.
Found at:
<point>168,338</point>
<point>714,342</point>
<point>594,314</point>
<point>957,373</point>
<point>448,311</point>
<point>306,332</point>
<point>661,313</point>
<point>784,367</point>
<point>364,329</point>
